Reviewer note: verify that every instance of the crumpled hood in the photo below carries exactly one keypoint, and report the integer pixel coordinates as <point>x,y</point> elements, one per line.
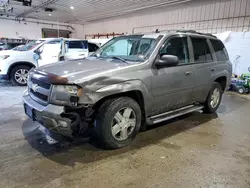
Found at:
<point>75,70</point>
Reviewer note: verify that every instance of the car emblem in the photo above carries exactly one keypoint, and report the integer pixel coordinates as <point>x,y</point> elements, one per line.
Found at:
<point>34,87</point>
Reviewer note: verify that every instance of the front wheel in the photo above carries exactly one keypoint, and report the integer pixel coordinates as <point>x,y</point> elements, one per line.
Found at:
<point>214,99</point>
<point>118,121</point>
<point>19,75</point>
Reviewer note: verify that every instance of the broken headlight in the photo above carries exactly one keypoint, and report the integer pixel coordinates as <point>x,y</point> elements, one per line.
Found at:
<point>65,95</point>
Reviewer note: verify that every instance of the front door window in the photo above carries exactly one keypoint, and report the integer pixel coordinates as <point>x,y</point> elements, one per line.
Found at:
<point>177,47</point>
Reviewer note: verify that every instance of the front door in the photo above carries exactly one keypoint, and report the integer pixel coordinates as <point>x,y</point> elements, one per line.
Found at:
<point>172,86</point>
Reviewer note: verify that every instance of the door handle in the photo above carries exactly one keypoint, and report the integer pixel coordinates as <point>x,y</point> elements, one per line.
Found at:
<point>188,73</point>
<point>212,69</point>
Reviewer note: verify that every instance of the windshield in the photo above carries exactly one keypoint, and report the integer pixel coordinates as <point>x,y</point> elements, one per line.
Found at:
<point>17,47</point>
<point>130,48</point>
<point>29,46</point>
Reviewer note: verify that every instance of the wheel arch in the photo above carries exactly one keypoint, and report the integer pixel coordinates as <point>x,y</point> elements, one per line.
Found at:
<point>222,80</point>
<point>134,94</point>
<point>26,63</point>
<point>135,89</point>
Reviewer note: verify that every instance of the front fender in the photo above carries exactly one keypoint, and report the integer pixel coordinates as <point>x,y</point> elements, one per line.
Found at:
<point>118,88</point>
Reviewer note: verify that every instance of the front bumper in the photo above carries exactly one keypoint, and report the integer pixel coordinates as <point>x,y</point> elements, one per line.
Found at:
<point>4,77</point>
<point>4,67</point>
<point>49,116</point>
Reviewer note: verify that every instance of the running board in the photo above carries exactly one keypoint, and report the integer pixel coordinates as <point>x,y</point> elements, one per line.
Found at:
<point>174,113</point>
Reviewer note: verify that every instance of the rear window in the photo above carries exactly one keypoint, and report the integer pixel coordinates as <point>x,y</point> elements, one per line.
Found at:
<point>220,50</point>
<point>202,51</point>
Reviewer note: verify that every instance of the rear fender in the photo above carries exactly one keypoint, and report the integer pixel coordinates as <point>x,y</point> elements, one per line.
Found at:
<point>220,74</point>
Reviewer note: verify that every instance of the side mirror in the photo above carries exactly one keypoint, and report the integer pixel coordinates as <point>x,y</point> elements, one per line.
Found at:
<point>167,61</point>
<point>36,56</point>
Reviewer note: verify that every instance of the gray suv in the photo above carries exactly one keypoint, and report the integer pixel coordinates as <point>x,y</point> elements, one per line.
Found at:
<point>131,82</point>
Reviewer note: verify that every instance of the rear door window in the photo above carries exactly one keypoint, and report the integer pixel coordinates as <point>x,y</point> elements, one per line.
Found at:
<point>220,50</point>
<point>202,52</point>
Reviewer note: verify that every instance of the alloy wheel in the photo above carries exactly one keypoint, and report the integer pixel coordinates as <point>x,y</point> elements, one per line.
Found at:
<point>215,98</point>
<point>123,124</point>
<point>21,76</point>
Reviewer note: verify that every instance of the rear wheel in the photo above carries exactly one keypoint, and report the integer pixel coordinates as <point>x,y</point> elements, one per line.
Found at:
<point>19,75</point>
<point>118,121</point>
<point>214,99</point>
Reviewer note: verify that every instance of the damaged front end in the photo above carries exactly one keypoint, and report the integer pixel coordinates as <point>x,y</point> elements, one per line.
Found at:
<point>52,102</point>
<point>68,121</point>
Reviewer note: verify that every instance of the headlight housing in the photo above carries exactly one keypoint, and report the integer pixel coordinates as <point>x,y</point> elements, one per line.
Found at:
<point>3,57</point>
<point>65,95</point>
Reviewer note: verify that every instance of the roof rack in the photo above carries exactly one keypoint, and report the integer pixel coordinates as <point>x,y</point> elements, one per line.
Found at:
<point>195,32</point>
<point>186,31</point>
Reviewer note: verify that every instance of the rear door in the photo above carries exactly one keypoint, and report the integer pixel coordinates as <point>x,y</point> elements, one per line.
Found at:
<point>203,67</point>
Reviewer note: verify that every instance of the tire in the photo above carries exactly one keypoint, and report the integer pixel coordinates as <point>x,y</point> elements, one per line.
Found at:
<point>209,105</point>
<point>21,69</point>
<point>247,90</point>
<point>241,90</point>
<point>106,123</point>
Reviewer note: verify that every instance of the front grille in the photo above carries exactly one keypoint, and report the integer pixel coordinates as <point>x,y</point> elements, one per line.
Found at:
<point>39,90</point>
<point>39,95</point>
<point>40,83</point>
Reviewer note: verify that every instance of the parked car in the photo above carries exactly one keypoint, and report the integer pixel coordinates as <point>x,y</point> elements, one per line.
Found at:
<point>130,82</point>
<point>15,64</point>
<point>8,46</point>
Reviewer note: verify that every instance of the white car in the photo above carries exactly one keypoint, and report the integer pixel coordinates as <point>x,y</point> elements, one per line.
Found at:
<point>15,64</point>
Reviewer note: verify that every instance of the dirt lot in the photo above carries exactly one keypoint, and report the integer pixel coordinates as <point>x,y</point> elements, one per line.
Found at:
<point>197,150</point>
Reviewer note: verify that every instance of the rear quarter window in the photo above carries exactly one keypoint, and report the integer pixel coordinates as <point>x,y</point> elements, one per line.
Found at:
<point>220,50</point>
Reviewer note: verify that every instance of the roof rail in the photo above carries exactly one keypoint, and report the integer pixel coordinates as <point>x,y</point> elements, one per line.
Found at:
<point>170,30</point>
<point>186,31</point>
<point>195,32</point>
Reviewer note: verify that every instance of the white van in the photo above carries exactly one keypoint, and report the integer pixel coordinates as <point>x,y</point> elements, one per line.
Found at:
<point>15,64</point>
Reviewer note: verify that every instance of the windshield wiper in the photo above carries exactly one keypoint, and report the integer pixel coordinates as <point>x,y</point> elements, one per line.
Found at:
<point>119,58</point>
